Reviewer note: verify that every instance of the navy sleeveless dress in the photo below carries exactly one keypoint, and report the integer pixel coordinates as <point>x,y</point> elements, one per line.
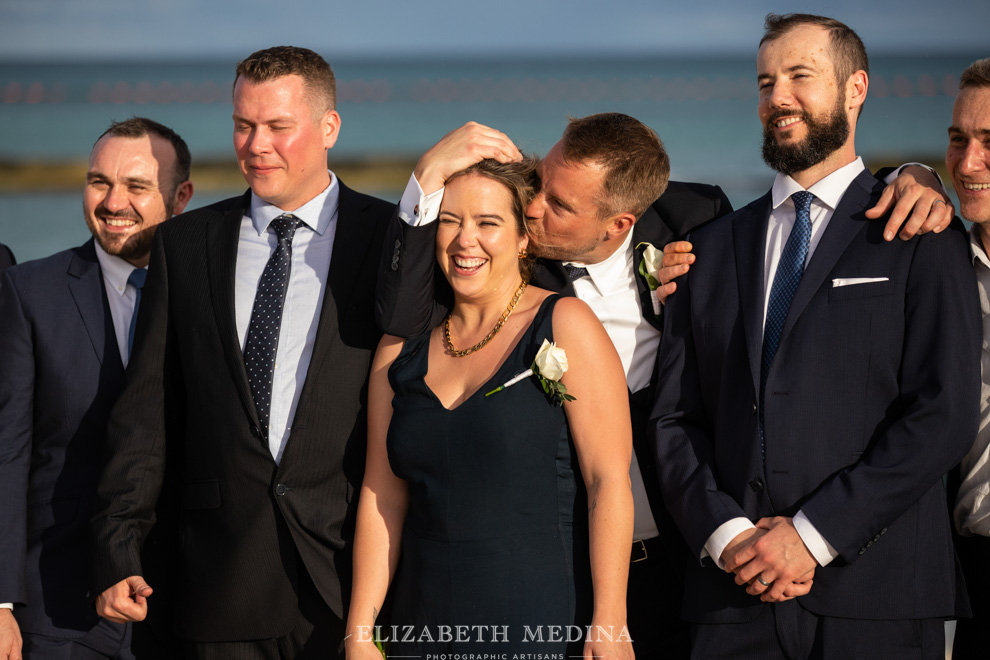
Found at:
<point>495,544</point>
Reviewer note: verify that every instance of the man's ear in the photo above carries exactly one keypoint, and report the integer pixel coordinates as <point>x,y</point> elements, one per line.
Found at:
<point>183,193</point>
<point>330,127</point>
<point>618,225</point>
<point>856,88</point>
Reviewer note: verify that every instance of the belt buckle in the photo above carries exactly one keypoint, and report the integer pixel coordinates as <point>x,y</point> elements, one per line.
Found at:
<point>639,546</point>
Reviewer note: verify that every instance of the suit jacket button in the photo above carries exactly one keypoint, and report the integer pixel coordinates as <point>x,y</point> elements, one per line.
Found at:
<point>395,266</point>
<point>862,550</point>
<point>754,408</point>
<point>397,244</point>
<point>255,431</point>
<point>280,489</point>
<point>757,485</point>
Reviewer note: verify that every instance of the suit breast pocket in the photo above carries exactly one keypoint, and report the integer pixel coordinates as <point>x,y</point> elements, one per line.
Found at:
<point>864,290</point>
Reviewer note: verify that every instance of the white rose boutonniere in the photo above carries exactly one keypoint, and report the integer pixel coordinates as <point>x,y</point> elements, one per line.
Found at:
<point>649,268</point>
<point>549,365</point>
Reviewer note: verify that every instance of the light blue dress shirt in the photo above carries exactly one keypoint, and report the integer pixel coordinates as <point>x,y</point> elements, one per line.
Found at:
<point>311,249</point>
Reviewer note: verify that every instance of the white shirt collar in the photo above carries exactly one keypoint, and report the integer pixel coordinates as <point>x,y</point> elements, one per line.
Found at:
<point>827,191</point>
<point>115,269</point>
<point>976,247</point>
<point>315,214</point>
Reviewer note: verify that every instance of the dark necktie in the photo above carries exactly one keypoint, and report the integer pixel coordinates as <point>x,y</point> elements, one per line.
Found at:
<point>785,283</point>
<point>266,318</point>
<point>136,280</point>
<point>574,272</point>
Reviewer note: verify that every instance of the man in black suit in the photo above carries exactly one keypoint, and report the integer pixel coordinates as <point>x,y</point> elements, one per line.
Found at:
<point>6,257</point>
<point>597,210</point>
<point>250,368</point>
<point>65,322</point>
<point>816,381</point>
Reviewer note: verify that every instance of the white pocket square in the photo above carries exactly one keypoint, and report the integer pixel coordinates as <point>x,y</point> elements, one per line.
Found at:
<point>849,281</point>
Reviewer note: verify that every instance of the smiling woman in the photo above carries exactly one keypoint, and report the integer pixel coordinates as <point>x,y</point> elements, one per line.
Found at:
<point>513,511</point>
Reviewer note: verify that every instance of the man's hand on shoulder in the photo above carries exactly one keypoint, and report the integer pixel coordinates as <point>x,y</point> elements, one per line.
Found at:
<point>125,601</point>
<point>677,260</point>
<point>10,636</point>
<point>915,200</point>
<point>462,148</point>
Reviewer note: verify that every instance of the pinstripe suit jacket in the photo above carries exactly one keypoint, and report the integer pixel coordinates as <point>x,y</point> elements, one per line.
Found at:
<point>243,522</point>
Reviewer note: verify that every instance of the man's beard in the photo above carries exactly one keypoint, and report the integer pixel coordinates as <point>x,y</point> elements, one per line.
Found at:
<point>824,138</point>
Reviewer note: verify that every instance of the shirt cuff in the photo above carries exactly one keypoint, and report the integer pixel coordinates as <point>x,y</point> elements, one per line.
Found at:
<point>889,179</point>
<point>417,208</point>
<point>723,536</point>
<point>820,549</point>
<point>6,606</point>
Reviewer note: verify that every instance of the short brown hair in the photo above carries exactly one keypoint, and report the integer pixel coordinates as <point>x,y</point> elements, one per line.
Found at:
<point>272,63</point>
<point>636,166</point>
<point>976,74</point>
<point>520,180</point>
<point>848,52</point>
<point>138,127</point>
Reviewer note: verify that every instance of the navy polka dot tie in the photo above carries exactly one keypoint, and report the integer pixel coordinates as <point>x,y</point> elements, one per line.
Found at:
<point>785,283</point>
<point>136,280</point>
<point>575,272</point>
<point>266,318</point>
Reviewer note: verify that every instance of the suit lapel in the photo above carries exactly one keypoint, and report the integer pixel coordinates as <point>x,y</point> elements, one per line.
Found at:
<point>652,229</point>
<point>749,234</point>
<point>221,245</point>
<point>846,222</point>
<point>550,275</point>
<point>86,287</point>
<point>353,237</point>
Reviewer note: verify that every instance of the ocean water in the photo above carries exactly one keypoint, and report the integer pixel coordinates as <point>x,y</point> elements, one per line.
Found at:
<point>703,109</point>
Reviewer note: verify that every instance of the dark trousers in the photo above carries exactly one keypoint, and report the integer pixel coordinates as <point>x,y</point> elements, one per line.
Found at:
<point>317,634</point>
<point>972,638</point>
<point>653,599</point>
<point>106,641</point>
<point>787,631</point>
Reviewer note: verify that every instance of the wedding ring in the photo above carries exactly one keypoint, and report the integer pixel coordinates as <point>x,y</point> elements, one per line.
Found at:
<point>761,581</point>
<point>937,201</point>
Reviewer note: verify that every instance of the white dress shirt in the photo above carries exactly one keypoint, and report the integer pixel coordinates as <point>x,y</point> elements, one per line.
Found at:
<point>828,192</point>
<point>120,296</point>
<point>610,290</point>
<point>972,511</point>
<point>312,245</point>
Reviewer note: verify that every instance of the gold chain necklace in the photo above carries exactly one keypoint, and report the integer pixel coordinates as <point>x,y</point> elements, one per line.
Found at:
<point>498,326</point>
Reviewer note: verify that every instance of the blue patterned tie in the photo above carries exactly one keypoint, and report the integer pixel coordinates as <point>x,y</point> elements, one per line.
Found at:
<point>136,280</point>
<point>266,318</point>
<point>575,272</point>
<point>785,283</point>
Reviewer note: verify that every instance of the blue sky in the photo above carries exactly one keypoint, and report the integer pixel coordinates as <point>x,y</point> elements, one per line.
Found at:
<point>31,29</point>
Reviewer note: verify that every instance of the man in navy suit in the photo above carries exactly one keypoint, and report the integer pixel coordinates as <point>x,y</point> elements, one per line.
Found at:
<point>816,382</point>
<point>65,321</point>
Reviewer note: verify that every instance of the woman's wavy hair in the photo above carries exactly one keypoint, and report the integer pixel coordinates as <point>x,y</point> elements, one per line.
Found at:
<point>521,181</point>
